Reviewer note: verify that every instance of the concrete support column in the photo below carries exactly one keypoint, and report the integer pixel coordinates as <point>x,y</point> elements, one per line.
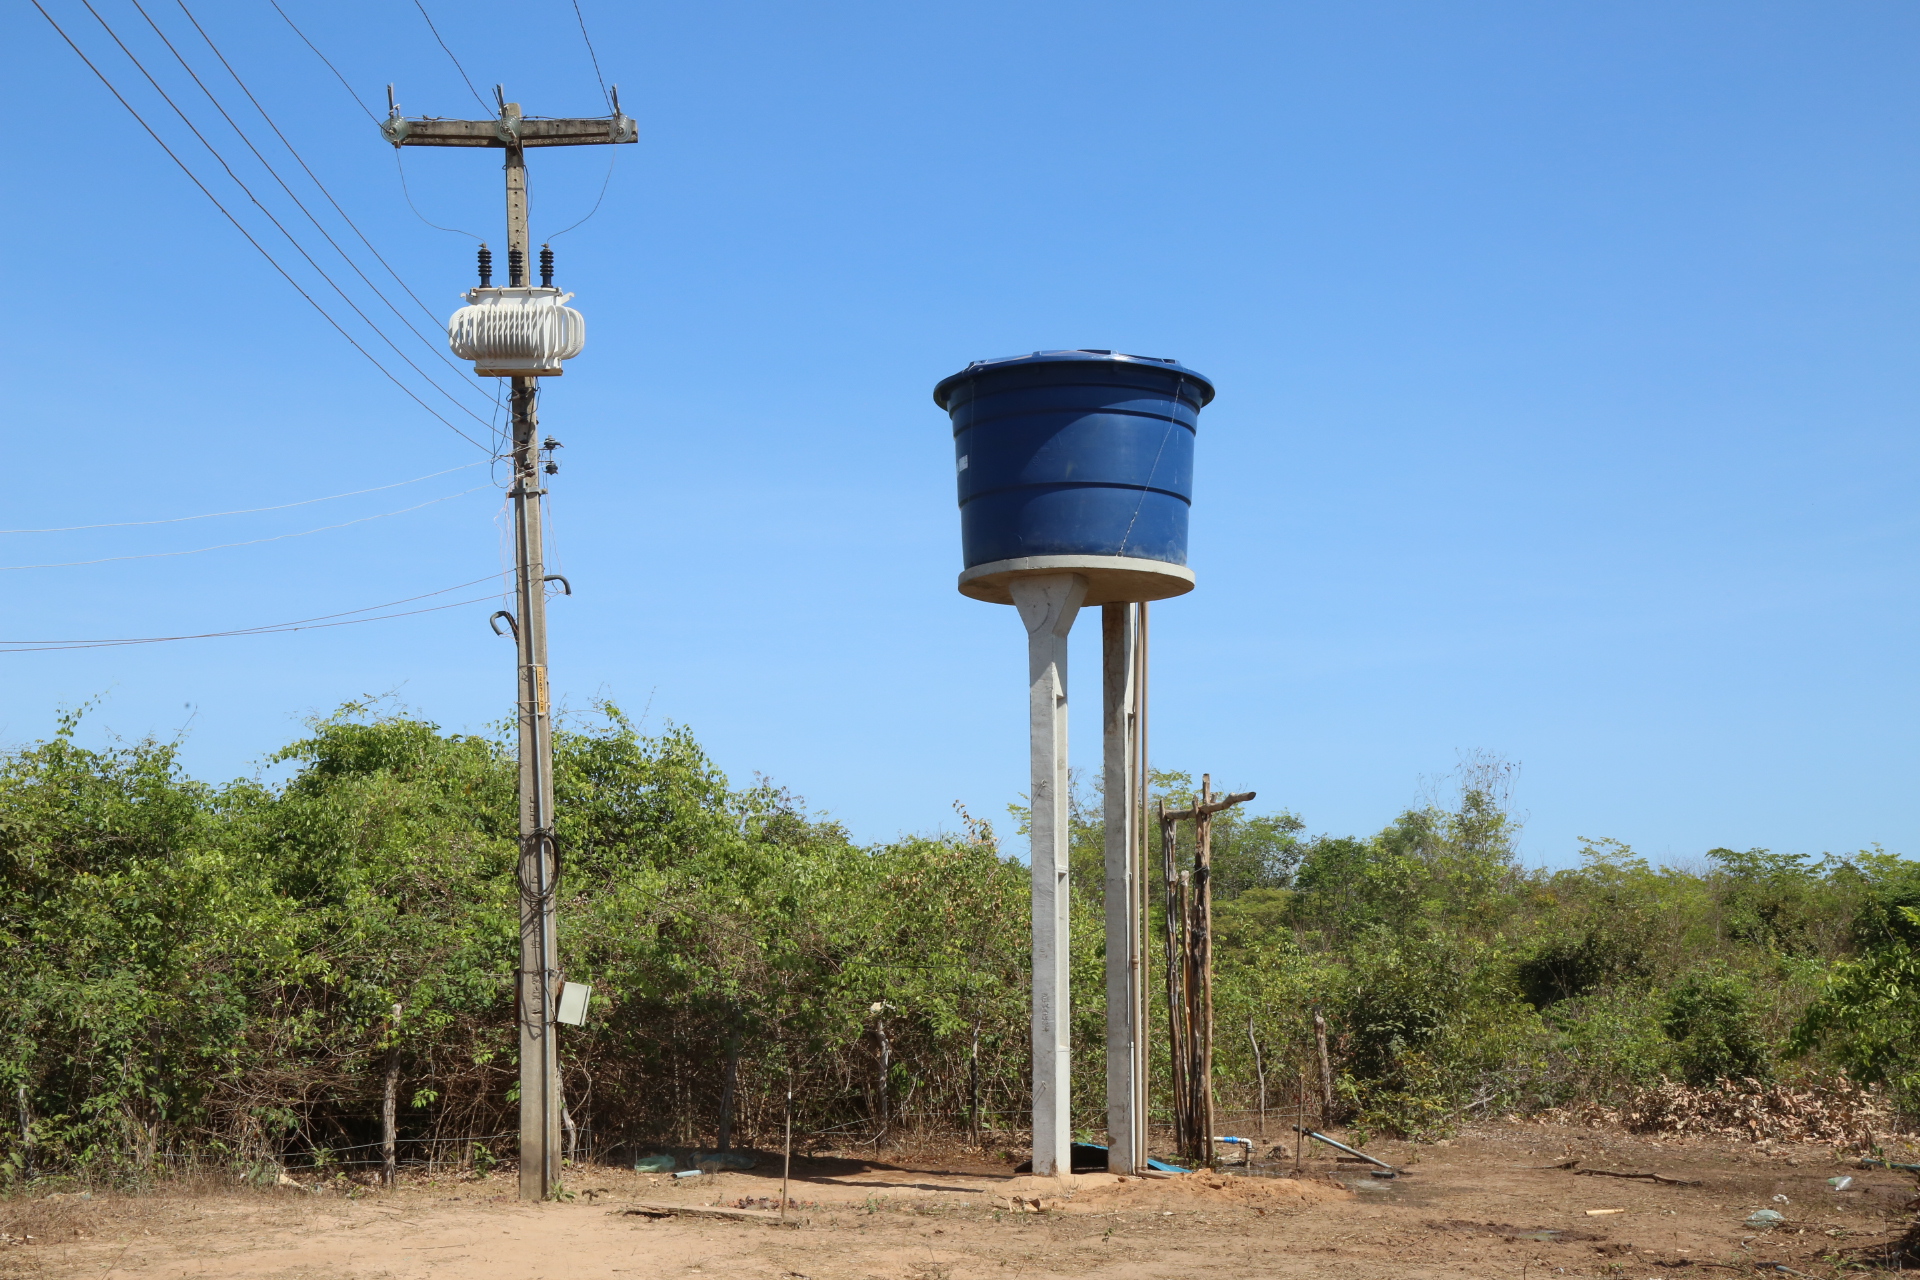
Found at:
<point>1047,605</point>
<point>1125,1148</point>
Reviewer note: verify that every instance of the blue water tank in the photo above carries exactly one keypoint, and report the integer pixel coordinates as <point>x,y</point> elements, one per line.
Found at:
<point>1075,461</point>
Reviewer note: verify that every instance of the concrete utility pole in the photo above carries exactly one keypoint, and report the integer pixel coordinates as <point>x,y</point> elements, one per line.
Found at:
<point>1119,635</point>
<point>1142,791</point>
<point>538,974</point>
<point>1048,604</point>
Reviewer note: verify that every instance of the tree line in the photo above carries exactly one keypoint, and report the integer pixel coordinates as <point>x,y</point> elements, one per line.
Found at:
<point>282,973</point>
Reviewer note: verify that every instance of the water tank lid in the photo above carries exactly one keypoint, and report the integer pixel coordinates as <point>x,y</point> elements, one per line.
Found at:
<point>1089,355</point>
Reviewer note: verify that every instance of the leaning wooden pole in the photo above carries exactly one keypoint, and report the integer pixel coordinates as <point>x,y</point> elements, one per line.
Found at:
<point>1203,959</point>
<point>1188,1061</point>
<point>1326,1068</point>
<point>1183,1033</point>
<point>1171,922</point>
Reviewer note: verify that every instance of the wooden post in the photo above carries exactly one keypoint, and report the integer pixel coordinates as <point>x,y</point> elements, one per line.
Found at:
<point>973,1088</point>
<point>886,1072</point>
<point>729,1088</point>
<point>389,1100</point>
<point>1326,1069</point>
<point>1189,1028</point>
<point>1259,1070</point>
<point>26,1129</point>
<point>1183,1033</point>
<point>1300,1128</point>
<point>1173,925</point>
<point>1203,958</point>
<point>1191,895</point>
<point>786,1162</point>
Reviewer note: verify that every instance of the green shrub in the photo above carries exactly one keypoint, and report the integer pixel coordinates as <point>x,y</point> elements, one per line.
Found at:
<point>1711,1020</point>
<point>1606,1047</point>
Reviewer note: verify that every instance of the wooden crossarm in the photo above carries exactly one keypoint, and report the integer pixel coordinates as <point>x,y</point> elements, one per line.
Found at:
<point>502,132</point>
<point>1224,802</point>
<point>1227,802</point>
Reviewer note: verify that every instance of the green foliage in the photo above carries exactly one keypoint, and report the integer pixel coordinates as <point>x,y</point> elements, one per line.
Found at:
<point>1867,1017</point>
<point>1605,932</point>
<point>228,971</point>
<point>1607,1046</point>
<point>1710,1018</point>
<point>1783,903</point>
<point>202,970</point>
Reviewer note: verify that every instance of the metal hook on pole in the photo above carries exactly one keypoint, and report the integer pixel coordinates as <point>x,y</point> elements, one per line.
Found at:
<point>561,579</point>
<point>513,626</point>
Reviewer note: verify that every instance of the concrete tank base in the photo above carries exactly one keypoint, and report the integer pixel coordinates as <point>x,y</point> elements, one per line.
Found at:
<point>1110,579</point>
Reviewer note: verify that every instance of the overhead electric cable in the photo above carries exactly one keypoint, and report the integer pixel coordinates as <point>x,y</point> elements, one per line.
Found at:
<point>456,62</point>
<point>241,228</point>
<point>278,225</point>
<point>604,182</point>
<point>278,537</point>
<point>437,347</point>
<point>301,161</point>
<point>272,628</point>
<point>416,209</point>
<point>358,101</point>
<point>249,511</point>
<point>591,54</point>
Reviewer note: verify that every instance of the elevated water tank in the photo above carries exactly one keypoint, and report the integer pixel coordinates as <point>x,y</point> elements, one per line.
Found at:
<point>1075,461</point>
<point>520,331</point>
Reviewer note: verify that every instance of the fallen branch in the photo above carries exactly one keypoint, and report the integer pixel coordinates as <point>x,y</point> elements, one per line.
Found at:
<point>1645,1177</point>
<point>656,1210</point>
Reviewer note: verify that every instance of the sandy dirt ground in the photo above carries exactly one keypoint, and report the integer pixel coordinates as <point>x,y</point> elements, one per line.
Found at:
<point>1495,1202</point>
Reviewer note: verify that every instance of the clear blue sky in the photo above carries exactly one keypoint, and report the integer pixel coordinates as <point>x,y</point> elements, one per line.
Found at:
<point>1565,354</point>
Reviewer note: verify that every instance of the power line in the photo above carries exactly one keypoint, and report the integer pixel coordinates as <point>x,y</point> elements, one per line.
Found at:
<point>357,100</point>
<point>278,537</point>
<point>301,161</point>
<point>596,59</point>
<point>408,195</point>
<point>249,511</point>
<point>604,183</point>
<point>241,228</point>
<point>437,347</point>
<point>456,62</point>
<point>416,209</point>
<point>272,628</point>
<point>248,191</point>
